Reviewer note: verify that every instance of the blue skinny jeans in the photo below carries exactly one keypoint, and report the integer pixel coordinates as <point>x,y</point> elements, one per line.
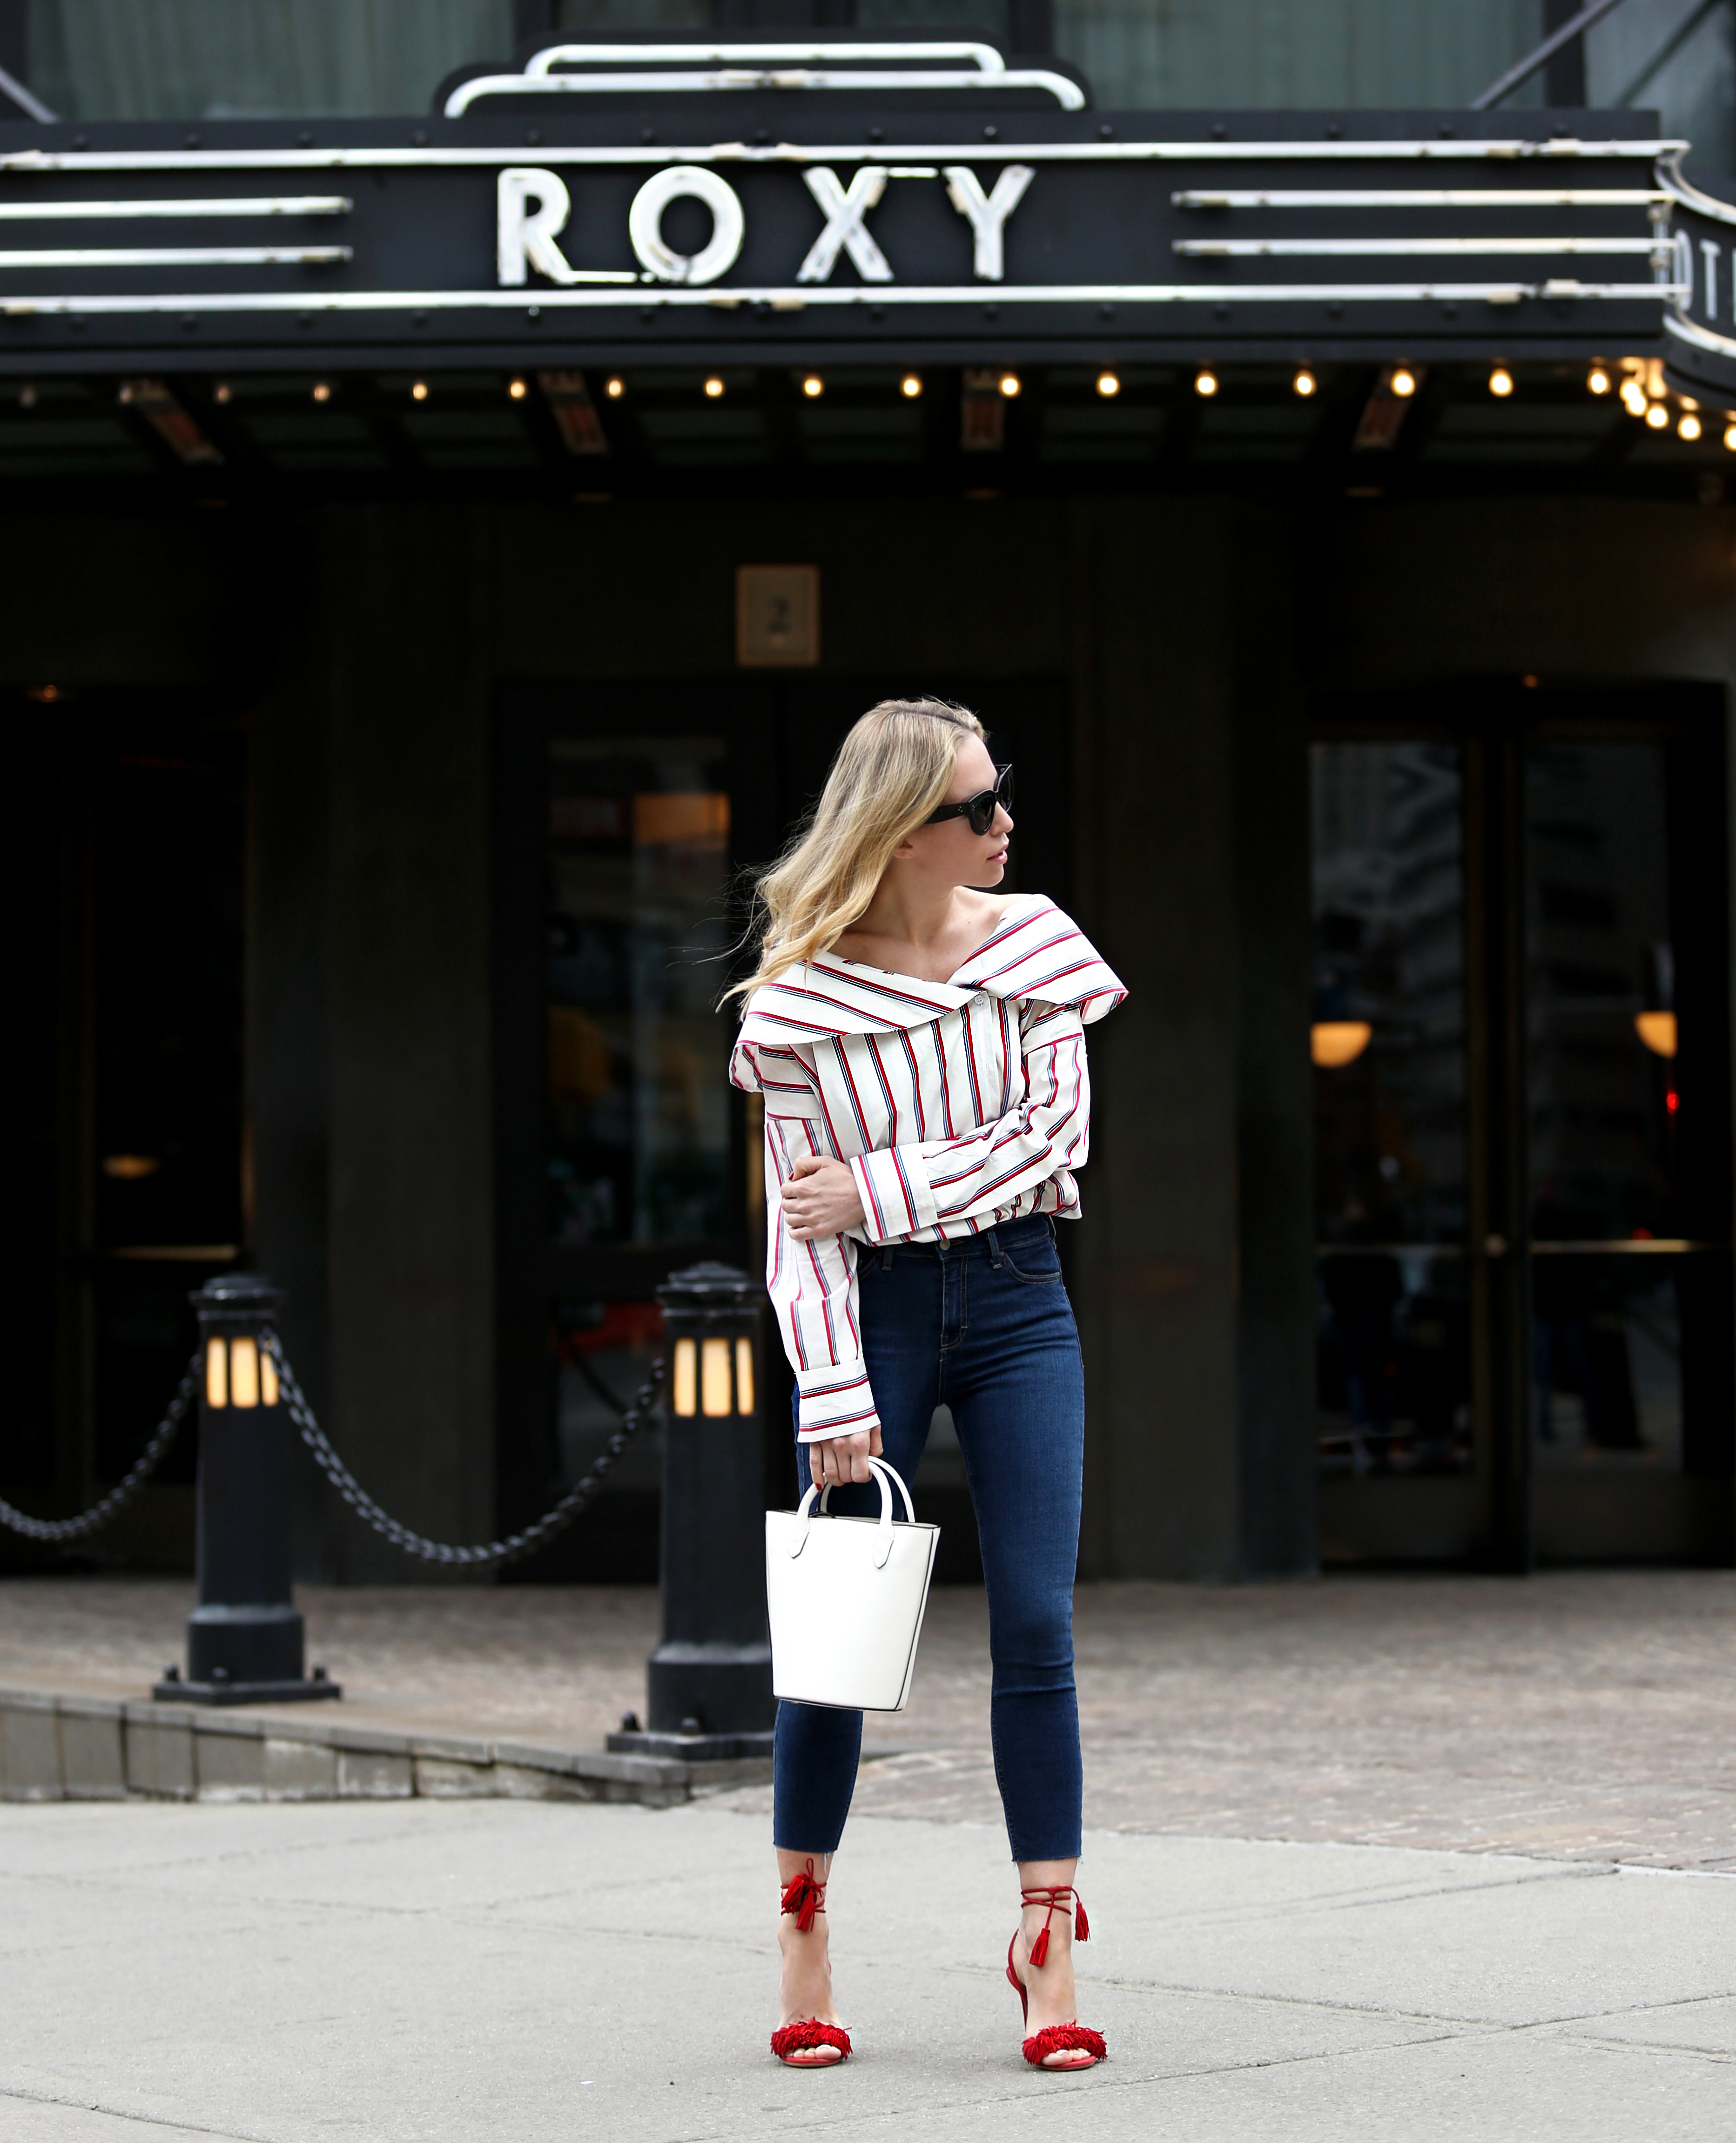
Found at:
<point>981,1325</point>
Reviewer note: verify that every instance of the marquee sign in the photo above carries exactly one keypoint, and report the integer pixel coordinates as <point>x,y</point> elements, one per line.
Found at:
<point>750,220</point>
<point>1699,324</point>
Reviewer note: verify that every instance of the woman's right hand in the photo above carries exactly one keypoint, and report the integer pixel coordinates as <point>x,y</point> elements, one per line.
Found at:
<point>842,1459</point>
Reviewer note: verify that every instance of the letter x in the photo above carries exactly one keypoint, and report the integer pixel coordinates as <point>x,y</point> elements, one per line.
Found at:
<point>845,232</point>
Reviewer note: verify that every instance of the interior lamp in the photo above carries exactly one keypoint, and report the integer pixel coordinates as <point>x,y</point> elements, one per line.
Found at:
<point>1334,1043</point>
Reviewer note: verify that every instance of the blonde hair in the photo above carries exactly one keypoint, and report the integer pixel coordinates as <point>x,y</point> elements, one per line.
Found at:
<point>893,768</point>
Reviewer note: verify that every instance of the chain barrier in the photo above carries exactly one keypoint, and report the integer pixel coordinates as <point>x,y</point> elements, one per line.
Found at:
<point>119,1496</point>
<point>515,1544</point>
<point>509,1550</point>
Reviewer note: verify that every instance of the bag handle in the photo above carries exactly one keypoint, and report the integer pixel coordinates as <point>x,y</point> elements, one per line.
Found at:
<point>886,1475</point>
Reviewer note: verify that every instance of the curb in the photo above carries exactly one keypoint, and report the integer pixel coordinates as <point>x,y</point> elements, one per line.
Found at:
<point>111,1749</point>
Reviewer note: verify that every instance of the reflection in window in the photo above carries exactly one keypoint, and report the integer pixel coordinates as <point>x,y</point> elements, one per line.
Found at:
<point>1388,1044</point>
<point>1603,1108</point>
<point>1246,55</point>
<point>603,1350</point>
<point>638,851</point>
<point>1602,1086</point>
<point>937,18</point>
<point>1389,985</point>
<point>247,59</point>
<point>621,18</point>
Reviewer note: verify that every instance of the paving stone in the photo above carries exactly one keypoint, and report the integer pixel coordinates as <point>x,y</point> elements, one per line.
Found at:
<point>299,1770</point>
<point>93,1761</point>
<point>443,1777</point>
<point>374,1775</point>
<point>159,1758</point>
<point>29,1751</point>
<point>228,1767</point>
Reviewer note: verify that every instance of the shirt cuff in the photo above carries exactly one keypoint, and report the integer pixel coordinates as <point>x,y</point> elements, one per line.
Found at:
<point>893,1184</point>
<point>833,1401</point>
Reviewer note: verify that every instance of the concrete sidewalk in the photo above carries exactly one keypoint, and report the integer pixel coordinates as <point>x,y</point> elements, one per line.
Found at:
<point>429,1972</point>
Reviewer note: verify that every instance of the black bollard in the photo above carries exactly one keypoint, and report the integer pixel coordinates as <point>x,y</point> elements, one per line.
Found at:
<point>244,1638</point>
<point>710,1681</point>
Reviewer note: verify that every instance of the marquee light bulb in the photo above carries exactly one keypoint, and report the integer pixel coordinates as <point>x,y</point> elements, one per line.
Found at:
<point>1598,380</point>
<point>1633,398</point>
<point>517,389</point>
<point>1206,382</point>
<point>812,386</point>
<point>1304,383</point>
<point>1010,385</point>
<point>1404,383</point>
<point>1108,385</point>
<point>1689,427</point>
<point>1657,416</point>
<point>911,386</point>
<point>419,392</point>
<point>714,389</point>
<point>321,390</point>
<point>614,387</point>
<point>1730,440</point>
<point>1501,383</point>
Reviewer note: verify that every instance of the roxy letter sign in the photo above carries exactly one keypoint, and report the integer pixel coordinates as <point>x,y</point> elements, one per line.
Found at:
<point>532,208</point>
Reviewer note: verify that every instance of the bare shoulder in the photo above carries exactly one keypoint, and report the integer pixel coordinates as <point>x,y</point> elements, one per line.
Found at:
<point>986,912</point>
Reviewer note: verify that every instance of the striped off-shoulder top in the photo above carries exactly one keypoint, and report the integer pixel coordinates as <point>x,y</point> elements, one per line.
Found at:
<point>957,1105</point>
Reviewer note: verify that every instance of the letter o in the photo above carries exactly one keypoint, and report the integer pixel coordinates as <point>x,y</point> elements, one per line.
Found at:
<point>645,224</point>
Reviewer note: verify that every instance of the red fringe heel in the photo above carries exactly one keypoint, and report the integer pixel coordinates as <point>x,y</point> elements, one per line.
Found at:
<point>799,2038</point>
<point>1054,2038</point>
<point>804,1896</point>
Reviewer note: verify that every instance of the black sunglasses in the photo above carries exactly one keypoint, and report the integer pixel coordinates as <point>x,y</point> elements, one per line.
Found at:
<point>979,809</point>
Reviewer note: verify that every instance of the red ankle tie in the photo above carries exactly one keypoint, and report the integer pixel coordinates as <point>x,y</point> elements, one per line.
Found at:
<point>1056,1899</point>
<point>804,1896</point>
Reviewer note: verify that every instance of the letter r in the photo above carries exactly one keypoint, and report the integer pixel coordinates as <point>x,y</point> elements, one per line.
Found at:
<point>524,236</point>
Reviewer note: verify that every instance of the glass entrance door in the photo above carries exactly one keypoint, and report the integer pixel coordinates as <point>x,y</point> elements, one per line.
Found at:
<point>1628,1112</point>
<point>1522,1135</point>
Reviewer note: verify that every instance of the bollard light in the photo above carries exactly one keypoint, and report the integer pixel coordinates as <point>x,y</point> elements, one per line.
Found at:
<point>709,1683</point>
<point>707,1376</point>
<point>246,1641</point>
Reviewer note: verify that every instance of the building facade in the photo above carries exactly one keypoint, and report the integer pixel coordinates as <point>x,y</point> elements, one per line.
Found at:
<point>419,616</point>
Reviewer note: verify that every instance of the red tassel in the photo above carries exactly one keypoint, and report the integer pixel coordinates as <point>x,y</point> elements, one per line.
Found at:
<point>802,1895</point>
<point>1040,1949</point>
<point>1082,1926</point>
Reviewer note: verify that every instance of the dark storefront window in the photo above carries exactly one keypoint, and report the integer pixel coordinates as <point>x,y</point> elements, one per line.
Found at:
<point>126,847</point>
<point>639,841</point>
<point>1606,1215</point>
<point>638,1096</point>
<point>1388,1044</point>
<point>166,859</point>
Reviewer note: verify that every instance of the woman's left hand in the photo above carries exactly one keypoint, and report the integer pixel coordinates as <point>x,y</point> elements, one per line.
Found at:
<point>820,1198</point>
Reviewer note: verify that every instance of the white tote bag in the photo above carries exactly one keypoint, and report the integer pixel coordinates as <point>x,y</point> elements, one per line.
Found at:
<point>846,1598</point>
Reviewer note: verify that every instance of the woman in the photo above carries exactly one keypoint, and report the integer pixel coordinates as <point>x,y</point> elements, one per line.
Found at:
<point>920,1044</point>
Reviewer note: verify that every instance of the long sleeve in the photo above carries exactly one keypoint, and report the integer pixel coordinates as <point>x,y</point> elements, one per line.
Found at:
<point>929,1182</point>
<point>813,1288</point>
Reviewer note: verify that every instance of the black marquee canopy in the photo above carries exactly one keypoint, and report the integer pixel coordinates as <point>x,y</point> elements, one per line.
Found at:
<point>772,203</point>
